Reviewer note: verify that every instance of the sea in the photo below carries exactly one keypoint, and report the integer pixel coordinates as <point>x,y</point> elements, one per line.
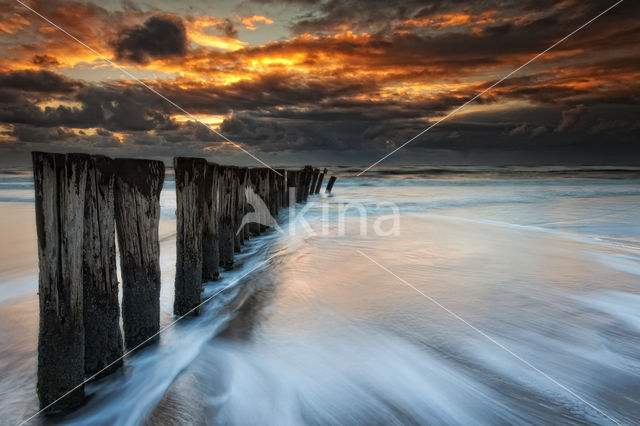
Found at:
<point>410,295</point>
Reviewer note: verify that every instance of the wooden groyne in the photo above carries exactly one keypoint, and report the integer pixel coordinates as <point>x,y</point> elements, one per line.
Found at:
<point>83,203</point>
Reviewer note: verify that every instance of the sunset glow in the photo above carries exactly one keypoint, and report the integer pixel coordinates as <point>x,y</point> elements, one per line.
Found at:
<point>301,75</point>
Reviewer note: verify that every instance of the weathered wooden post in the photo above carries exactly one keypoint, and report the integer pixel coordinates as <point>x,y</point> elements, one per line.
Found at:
<point>257,186</point>
<point>246,230</point>
<point>300,185</point>
<point>227,194</point>
<point>332,180</point>
<point>273,191</point>
<point>293,177</point>
<point>308,174</point>
<point>137,202</point>
<point>287,184</point>
<point>303,183</point>
<point>314,181</point>
<point>265,195</point>
<point>60,188</point>
<point>190,188</point>
<point>281,179</point>
<point>246,183</point>
<point>103,339</point>
<point>320,178</point>
<point>241,209</point>
<point>292,185</point>
<point>210,241</point>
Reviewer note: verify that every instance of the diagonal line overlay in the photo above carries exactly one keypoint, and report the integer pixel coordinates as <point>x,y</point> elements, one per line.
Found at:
<point>491,339</point>
<point>171,324</point>
<point>455,111</point>
<point>151,89</point>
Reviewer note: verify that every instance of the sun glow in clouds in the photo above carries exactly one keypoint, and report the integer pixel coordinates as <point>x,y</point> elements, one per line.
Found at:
<point>199,31</point>
<point>208,119</point>
<point>301,70</point>
<point>249,22</point>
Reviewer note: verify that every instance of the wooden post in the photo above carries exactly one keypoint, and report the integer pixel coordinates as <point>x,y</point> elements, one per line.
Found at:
<point>332,180</point>
<point>210,241</point>
<point>291,189</point>
<point>246,231</point>
<point>293,176</point>
<point>282,193</point>
<point>306,181</point>
<point>103,339</point>
<point>137,202</point>
<point>300,185</point>
<point>60,187</point>
<point>308,174</point>
<point>256,183</point>
<point>227,193</point>
<point>320,178</point>
<point>242,177</point>
<point>274,182</point>
<point>264,194</point>
<point>190,187</point>
<point>287,184</point>
<point>314,181</point>
<point>246,183</point>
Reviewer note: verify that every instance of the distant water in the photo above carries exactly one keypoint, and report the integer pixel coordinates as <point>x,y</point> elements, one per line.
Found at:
<point>529,312</point>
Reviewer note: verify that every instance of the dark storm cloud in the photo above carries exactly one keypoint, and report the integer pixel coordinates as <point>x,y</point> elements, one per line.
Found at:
<point>276,113</point>
<point>273,135</point>
<point>37,81</point>
<point>481,136</point>
<point>271,90</point>
<point>61,137</point>
<point>512,29</point>
<point>379,15</point>
<point>356,92</point>
<point>110,106</point>
<point>571,118</point>
<point>40,134</point>
<point>158,37</point>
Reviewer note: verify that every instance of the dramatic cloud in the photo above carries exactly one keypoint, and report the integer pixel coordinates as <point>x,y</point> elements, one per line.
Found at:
<point>250,22</point>
<point>520,130</point>
<point>45,60</point>
<point>351,79</point>
<point>158,37</point>
<point>37,81</point>
<point>570,118</point>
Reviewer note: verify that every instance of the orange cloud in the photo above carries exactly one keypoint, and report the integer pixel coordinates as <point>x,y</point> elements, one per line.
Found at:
<point>446,20</point>
<point>13,24</point>
<point>402,70</point>
<point>199,31</point>
<point>249,22</point>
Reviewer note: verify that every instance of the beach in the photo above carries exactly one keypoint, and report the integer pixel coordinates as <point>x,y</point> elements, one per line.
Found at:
<point>505,295</point>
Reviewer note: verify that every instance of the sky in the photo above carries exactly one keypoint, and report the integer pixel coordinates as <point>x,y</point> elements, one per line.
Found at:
<point>322,81</point>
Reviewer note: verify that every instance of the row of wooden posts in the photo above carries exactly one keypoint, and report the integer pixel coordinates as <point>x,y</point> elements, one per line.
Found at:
<point>83,202</point>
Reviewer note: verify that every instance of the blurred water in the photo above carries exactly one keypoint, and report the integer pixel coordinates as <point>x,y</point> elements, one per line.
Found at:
<point>545,261</point>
